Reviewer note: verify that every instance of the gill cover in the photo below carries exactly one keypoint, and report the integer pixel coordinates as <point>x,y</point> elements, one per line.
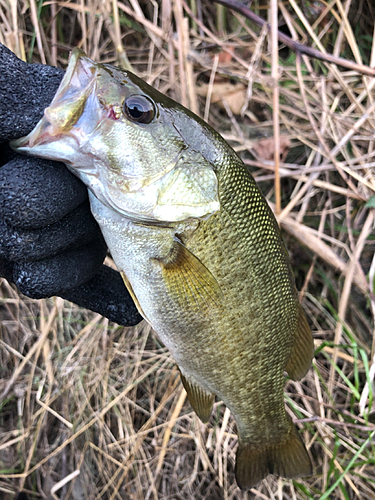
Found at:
<point>146,170</point>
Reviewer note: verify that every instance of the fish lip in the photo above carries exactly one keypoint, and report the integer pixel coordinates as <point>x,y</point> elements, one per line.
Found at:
<point>37,137</point>
<point>78,83</point>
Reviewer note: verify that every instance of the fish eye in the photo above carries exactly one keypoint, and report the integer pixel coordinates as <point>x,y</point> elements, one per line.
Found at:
<point>139,109</point>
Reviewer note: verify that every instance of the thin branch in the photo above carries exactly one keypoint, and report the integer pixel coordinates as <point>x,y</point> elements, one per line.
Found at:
<point>275,107</point>
<point>292,44</point>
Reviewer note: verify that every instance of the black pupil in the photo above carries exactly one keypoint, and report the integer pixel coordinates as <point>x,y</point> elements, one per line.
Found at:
<point>136,111</point>
<point>139,109</point>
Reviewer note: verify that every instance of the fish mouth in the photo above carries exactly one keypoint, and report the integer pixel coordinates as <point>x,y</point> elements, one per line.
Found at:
<point>65,110</point>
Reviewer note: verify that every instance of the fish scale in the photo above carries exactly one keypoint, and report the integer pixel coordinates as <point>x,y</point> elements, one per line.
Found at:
<point>198,247</point>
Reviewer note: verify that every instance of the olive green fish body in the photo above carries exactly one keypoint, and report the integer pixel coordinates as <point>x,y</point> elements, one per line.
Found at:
<point>235,345</point>
<point>241,246</point>
<point>198,247</point>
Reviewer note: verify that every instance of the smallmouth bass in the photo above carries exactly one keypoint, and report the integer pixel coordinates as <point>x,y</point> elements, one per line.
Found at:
<point>198,248</point>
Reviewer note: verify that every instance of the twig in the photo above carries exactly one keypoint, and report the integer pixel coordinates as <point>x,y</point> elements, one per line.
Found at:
<point>275,110</point>
<point>296,46</point>
<point>350,276</point>
<point>334,423</point>
<point>311,238</point>
<point>168,430</point>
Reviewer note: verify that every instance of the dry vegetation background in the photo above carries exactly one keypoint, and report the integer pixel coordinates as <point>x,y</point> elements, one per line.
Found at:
<point>93,410</point>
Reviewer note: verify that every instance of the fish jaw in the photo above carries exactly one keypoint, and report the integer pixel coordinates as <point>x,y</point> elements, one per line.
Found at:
<point>69,122</point>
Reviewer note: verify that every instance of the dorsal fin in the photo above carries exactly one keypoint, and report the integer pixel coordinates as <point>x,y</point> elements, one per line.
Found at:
<point>302,350</point>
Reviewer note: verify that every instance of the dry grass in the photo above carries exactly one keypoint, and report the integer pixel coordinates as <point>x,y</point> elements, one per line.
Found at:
<point>92,410</point>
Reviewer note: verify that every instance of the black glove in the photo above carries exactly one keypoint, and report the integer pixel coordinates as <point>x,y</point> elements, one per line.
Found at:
<point>50,244</point>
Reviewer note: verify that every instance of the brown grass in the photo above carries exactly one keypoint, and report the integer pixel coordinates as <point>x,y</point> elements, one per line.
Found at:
<point>92,410</point>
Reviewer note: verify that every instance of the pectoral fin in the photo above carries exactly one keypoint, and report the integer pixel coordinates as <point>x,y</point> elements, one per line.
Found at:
<point>302,349</point>
<point>200,400</point>
<point>188,281</point>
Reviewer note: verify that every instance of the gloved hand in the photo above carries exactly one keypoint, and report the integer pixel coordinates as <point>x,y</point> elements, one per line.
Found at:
<point>50,244</point>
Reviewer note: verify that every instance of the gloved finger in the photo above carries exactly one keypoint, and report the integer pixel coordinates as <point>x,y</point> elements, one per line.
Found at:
<point>6,153</point>
<point>25,91</point>
<point>54,276</point>
<point>72,231</point>
<point>35,193</point>
<point>107,295</point>
<point>6,269</point>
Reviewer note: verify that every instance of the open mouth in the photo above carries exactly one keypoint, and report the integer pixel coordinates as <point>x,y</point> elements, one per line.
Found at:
<point>66,107</point>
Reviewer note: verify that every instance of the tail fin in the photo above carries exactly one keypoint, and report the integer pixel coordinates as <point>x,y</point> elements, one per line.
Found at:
<point>287,458</point>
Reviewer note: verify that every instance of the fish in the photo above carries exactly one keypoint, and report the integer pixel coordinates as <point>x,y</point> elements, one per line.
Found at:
<point>198,247</point>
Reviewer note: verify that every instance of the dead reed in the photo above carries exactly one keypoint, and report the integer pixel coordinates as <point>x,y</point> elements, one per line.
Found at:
<point>92,410</point>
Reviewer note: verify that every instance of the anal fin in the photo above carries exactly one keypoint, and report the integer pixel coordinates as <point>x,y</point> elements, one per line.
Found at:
<point>201,400</point>
<point>302,350</point>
